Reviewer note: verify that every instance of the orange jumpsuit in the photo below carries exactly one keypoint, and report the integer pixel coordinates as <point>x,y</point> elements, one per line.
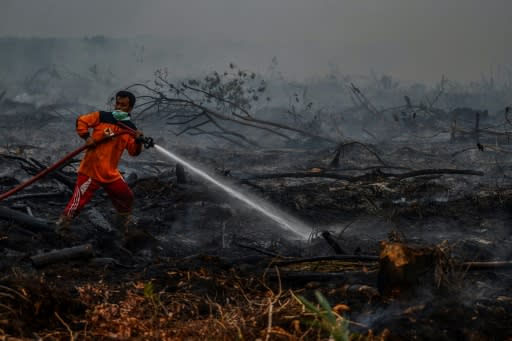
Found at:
<point>100,162</point>
<point>99,165</point>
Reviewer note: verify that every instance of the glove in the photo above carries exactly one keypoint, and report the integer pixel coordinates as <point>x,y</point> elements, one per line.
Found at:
<point>139,137</point>
<point>147,141</point>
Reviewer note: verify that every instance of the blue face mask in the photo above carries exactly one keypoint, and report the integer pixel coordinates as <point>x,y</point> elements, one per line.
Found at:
<point>121,115</point>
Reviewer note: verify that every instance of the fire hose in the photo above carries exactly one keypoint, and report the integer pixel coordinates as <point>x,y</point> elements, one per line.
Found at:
<point>146,141</point>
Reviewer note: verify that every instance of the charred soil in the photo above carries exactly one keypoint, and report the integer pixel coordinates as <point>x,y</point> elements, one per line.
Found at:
<point>201,266</point>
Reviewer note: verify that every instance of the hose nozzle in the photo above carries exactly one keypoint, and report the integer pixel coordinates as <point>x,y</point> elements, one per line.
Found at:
<point>148,142</point>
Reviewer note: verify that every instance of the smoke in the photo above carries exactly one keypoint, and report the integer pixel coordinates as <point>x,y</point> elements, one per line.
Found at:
<point>409,40</point>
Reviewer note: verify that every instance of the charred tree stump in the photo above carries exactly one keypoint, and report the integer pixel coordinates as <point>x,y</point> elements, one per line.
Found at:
<point>180,174</point>
<point>80,251</point>
<point>403,267</point>
<point>477,129</point>
<point>335,162</point>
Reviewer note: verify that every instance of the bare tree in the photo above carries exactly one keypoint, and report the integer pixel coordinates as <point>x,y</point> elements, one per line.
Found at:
<point>218,105</point>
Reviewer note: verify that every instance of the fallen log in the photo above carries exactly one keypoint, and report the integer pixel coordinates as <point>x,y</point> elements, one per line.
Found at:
<point>308,276</point>
<point>24,219</point>
<point>328,175</point>
<point>356,258</point>
<point>32,166</point>
<point>57,174</point>
<point>34,196</point>
<point>62,255</point>
<point>438,171</point>
<point>491,265</point>
<point>7,337</point>
<point>258,249</point>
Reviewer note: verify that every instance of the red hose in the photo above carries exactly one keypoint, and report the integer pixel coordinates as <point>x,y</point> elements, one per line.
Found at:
<point>57,165</point>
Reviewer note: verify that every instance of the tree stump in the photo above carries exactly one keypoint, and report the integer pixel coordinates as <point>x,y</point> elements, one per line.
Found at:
<point>404,266</point>
<point>180,174</point>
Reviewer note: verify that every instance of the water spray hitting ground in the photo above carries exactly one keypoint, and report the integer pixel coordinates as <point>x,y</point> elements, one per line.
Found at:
<point>287,223</point>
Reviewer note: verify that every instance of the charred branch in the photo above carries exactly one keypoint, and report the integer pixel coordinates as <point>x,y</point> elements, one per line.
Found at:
<point>363,100</point>
<point>33,166</point>
<point>365,147</point>
<point>24,219</point>
<point>348,258</point>
<point>335,162</point>
<point>195,108</point>
<point>438,171</point>
<point>225,136</point>
<point>491,265</point>
<point>33,196</point>
<point>257,249</point>
<point>57,174</point>
<point>224,133</point>
<point>309,276</point>
<point>365,177</point>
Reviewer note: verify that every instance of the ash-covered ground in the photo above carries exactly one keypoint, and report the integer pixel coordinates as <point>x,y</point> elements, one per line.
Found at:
<point>429,192</point>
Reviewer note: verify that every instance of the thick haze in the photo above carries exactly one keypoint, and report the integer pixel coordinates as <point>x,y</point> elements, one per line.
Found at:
<point>410,40</point>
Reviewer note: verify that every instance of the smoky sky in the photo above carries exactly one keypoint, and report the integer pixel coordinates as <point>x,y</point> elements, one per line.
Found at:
<point>408,39</point>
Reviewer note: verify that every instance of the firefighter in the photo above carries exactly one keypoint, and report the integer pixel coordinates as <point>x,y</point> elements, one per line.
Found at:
<point>99,166</point>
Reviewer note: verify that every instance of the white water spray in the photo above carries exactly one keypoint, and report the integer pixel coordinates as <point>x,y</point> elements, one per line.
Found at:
<point>293,226</point>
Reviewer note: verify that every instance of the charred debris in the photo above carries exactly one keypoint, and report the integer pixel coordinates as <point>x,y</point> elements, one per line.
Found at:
<point>410,223</point>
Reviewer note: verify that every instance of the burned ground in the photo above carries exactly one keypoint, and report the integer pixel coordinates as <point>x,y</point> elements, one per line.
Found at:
<point>207,267</point>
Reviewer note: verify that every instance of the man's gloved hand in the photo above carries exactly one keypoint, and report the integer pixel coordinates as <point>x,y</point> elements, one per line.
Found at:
<point>139,137</point>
